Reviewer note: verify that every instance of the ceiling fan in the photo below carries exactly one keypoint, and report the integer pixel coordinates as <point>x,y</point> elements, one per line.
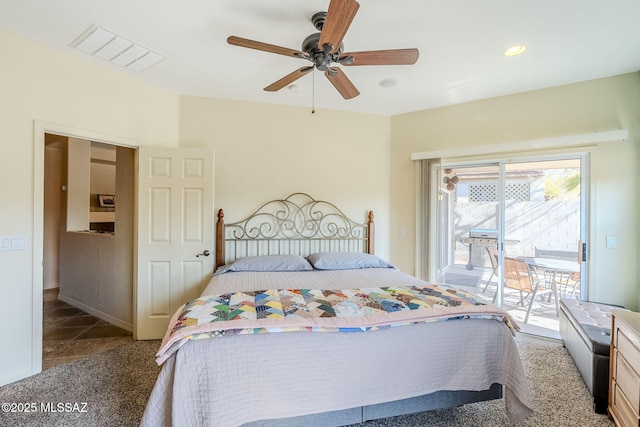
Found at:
<point>325,49</point>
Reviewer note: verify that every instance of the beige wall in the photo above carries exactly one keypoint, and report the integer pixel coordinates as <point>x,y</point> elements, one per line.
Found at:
<point>599,105</point>
<point>39,83</point>
<point>265,152</point>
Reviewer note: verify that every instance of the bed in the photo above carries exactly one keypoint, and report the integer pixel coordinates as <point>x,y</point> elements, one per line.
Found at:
<point>318,355</point>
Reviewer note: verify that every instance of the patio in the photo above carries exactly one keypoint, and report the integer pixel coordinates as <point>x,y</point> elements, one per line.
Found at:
<point>543,319</point>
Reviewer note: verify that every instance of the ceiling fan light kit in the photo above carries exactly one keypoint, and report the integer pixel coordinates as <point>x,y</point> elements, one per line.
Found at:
<point>325,50</point>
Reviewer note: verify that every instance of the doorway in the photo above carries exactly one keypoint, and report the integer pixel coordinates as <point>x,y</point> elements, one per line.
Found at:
<point>513,232</point>
<point>87,269</point>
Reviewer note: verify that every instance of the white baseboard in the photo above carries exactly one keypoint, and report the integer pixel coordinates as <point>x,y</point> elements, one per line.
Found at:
<point>16,377</point>
<point>97,313</point>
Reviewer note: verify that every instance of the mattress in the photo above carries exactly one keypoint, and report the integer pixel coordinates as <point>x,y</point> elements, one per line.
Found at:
<point>237,379</point>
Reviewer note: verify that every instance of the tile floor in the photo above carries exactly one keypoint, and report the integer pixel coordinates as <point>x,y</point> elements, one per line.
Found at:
<point>70,333</point>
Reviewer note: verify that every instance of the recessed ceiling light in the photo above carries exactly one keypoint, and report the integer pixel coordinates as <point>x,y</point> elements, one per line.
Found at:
<point>117,50</point>
<point>515,50</point>
<point>388,83</point>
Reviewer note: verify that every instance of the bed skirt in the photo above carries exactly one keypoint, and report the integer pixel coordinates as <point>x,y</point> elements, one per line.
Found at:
<point>428,402</point>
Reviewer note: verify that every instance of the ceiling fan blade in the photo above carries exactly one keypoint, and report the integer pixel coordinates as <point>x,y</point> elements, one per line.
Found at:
<point>288,79</point>
<point>382,57</point>
<point>341,82</point>
<point>339,17</point>
<point>252,44</point>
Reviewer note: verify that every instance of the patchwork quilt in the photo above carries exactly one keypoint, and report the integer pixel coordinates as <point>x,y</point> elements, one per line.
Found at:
<point>316,310</point>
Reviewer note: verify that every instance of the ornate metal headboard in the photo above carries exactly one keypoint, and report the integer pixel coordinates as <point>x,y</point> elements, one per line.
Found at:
<point>297,225</point>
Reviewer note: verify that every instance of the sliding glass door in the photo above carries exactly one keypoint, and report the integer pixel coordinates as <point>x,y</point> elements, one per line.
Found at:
<point>512,232</point>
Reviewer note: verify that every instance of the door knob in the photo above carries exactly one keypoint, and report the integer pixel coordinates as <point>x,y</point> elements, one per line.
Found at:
<point>205,253</point>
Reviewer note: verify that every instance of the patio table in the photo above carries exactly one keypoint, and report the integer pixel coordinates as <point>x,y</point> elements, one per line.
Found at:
<point>553,272</point>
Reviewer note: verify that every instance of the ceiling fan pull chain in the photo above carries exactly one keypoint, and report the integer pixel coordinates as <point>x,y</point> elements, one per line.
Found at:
<point>313,91</point>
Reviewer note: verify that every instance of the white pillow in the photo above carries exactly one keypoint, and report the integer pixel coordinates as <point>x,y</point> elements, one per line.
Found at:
<point>346,261</point>
<point>268,263</point>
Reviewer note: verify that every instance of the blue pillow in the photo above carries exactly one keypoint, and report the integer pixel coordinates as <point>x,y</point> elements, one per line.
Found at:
<point>268,263</point>
<point>346,261</point>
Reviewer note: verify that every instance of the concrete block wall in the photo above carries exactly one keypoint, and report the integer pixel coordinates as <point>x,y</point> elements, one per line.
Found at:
<point>553,224</point>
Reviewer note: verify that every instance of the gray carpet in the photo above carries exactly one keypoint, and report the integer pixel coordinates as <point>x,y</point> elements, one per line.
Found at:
<point>116,384</point>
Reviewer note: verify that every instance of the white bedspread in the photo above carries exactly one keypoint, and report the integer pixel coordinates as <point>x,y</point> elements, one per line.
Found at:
<point>242,378</point>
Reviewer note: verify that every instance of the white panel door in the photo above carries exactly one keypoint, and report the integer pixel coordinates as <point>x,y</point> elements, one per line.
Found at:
<point>175,225</point>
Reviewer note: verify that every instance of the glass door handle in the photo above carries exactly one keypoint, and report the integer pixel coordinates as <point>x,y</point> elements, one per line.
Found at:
<point>582,252</point>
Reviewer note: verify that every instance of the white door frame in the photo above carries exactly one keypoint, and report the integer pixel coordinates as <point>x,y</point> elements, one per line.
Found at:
<point>39,130</point>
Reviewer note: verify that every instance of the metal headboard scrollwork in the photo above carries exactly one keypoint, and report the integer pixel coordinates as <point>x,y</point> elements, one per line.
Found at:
<point>296,225</point>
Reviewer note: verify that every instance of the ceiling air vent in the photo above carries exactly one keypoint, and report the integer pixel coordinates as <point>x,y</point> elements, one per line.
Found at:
<point>106,45</point>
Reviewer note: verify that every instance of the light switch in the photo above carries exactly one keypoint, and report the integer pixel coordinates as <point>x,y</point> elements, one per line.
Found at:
<point>612,242</point>
<point>13,243</point>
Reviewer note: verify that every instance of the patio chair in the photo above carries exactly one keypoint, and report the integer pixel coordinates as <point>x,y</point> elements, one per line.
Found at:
<point>544,282</point>
<point>493,257</point>
<point>568,282</point>
<point>517,275</point>
<point>556,254</point>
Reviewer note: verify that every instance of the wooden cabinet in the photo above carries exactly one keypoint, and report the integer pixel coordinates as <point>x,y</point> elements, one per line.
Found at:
<point>624,386</point>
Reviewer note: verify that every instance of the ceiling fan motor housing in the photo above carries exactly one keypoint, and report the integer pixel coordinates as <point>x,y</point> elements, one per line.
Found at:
<point>317,55</point>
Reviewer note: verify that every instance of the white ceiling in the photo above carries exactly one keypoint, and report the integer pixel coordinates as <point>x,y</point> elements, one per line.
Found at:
<point>461,45</point>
